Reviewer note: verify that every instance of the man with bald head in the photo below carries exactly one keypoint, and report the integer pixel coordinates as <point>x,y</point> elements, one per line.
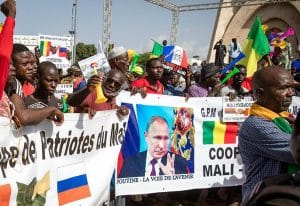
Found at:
<point>264,136</point>
<point>43,96</point>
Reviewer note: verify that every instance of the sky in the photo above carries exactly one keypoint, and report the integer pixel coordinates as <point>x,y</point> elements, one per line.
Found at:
<point>134,23</point>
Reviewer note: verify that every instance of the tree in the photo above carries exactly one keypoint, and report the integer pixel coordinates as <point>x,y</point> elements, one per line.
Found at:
<point>84,51</point>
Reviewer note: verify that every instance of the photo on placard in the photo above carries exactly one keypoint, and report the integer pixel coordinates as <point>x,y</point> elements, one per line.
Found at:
<point>164,143</point>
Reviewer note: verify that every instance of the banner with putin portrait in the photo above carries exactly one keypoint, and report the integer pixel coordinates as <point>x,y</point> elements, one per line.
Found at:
<point>174,145</point>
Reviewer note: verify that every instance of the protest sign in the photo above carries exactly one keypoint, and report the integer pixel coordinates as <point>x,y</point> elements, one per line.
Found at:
<point>54,49</point>
<point>97,62</point>
<point>196,133</point>
<point>236,110</point>
<point>62,89</point>
<point>67,165</point>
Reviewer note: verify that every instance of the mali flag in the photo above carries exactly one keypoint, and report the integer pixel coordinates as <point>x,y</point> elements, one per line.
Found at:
<point>45,47</point>
<point>216,132</point>
<point>255,48</point>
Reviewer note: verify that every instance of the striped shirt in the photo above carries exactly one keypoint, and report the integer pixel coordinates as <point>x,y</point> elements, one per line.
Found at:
<point>265,151</point>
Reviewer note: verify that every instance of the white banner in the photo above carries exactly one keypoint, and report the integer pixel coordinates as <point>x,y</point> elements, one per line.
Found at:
<point>67,165</point>
<point>206,148</point>
<point>55,49</point>
<point>62,89</point>
<point>236,110</point>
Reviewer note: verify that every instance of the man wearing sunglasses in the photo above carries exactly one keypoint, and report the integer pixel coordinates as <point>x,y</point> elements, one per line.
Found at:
<point>111,87</point>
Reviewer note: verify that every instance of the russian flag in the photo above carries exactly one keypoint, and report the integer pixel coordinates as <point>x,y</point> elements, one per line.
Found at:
<point>131,142</point>
<point>175,55</point>
<point>72,183</point>
<point>5,193</point>
<point>62,52</point>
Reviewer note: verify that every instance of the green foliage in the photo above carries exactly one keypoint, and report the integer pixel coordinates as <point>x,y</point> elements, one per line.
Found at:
<point>84,51</point>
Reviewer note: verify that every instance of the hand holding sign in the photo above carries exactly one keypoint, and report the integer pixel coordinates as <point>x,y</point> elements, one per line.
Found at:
<point>90,68</point>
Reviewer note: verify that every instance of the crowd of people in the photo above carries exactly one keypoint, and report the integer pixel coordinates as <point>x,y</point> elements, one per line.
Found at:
<point>27,90</point>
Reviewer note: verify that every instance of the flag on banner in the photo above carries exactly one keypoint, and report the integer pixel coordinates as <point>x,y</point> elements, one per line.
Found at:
<point>45,47</point>
<point>62,52</point>
<point>175,55</point>
<point>216,132</point>
<point>157,49</point>
<point>5,192</point>
<point>131,141</point>
<point>255,48</point>
<point>72,183</point>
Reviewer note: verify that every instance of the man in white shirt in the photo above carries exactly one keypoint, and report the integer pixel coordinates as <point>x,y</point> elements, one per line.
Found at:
<point>234,49</point>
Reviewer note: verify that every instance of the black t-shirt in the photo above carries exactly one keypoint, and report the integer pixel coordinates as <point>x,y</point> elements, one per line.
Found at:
<point>32,103</point>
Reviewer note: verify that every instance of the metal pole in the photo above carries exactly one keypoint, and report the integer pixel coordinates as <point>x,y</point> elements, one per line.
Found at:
<point>107,6</point>
<point>73,32</point>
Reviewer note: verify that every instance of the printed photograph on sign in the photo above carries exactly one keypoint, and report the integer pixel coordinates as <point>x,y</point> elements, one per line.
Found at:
<point>55,49</point>
<point>94,64</point>
<point>236,110</point>
<point>165,143</point>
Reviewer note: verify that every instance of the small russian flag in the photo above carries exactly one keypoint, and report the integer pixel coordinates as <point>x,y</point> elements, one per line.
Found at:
<point>72,183</point>
<point>176,55</point>
<point>62,52</point>
<point>5,193</point>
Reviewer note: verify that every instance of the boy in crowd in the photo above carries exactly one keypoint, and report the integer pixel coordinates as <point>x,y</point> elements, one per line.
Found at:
<point>43,96</point>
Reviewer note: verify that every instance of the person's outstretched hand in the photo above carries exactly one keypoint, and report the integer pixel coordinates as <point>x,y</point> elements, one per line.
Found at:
<point>168,169</point>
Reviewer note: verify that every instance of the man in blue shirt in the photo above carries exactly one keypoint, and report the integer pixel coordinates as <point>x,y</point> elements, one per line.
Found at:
<point>264,136</point>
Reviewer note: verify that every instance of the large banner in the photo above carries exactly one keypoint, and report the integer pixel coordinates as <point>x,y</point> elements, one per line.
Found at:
<point>70,164</point>
<point>55,50</point>
<point>193,148</point>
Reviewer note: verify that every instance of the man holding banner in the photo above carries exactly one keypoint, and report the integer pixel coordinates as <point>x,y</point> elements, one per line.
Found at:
<point>111,88</point>
<point>265,135</point>
<point>156,160</point>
